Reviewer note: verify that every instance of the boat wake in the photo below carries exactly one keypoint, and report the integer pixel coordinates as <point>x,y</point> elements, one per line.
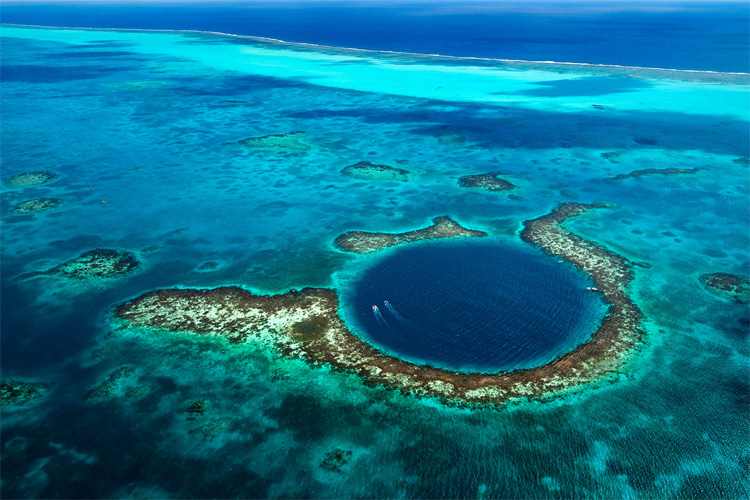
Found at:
<point>379,317</point>
<point>395,313</point>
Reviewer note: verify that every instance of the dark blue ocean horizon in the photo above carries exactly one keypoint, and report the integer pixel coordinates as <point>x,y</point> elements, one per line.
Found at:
<point>706,36</point>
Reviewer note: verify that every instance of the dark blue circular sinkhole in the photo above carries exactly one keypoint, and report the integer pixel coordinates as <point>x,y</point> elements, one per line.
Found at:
<point>469,306</point>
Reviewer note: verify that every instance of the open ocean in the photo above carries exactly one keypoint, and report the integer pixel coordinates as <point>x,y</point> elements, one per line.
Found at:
<point>148,122</point>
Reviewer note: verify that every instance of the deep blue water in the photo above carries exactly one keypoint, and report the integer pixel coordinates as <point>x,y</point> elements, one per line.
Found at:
<point>689,35</point>
<point>475,306</point>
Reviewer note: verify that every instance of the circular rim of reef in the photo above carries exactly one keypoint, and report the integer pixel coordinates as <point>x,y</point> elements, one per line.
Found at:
<point>306,324</point>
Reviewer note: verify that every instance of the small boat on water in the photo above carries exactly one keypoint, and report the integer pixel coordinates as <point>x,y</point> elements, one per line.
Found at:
<point>592,289</point>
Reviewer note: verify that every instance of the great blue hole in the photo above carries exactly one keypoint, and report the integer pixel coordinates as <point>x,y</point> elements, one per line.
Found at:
<point>468,306</point>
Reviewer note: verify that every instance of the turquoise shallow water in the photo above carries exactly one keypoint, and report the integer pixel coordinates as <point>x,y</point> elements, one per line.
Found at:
<point>137,126</point>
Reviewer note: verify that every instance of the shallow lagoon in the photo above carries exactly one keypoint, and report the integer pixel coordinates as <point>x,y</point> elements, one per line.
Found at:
<point>139,126</point>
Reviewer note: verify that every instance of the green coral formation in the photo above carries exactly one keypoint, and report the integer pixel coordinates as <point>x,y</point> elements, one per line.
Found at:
<point>111,384</point>
<point>729,285</point>
<point>290,141</point>
<point>336,459</point>
<point>374,172</point>
<point>30,179</point>
<point>37,205</point>
<point>489,182</point>
<point>197,407</point>
<point>94,264</point>
<point>14,393</point>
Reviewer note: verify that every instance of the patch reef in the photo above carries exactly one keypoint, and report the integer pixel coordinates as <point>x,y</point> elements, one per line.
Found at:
<point>366,242</point>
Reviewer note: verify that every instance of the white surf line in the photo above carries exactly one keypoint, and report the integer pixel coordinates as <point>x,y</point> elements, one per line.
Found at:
<point>390,52</point>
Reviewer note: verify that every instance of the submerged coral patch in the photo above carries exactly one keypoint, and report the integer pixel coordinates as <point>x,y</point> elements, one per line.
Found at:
<point>289,140</point>
<point>305,324</point>
<point>14,393</point>
<point>37,205</point>
<point>654,171</point>
<point>451,139</point>
<point>612,155</point>
<point>94,264</point>
<point>646,141</point>
<point>211,265</point>
<point>111,384</point>
<point>730,285</point>
<point>29,179</point>
<point>365,242</point>
<point>336,459</point>
<point>489,182</point>
<point>373,171</point>
<point>197,407</point>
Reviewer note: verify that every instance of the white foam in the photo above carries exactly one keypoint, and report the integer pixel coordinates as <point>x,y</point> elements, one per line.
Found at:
<point>390,52</point>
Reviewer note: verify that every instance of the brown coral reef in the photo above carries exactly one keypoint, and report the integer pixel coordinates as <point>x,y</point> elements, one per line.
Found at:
<point>729,285</point>
<point>375,172</point>
<point>306,324</point>
<point>654,171</point>
<point>489,182</point>
<point>366,242</point>
<point>94,264</point>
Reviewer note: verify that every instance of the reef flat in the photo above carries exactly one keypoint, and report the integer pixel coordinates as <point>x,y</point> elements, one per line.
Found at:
<point>489,182</point>
<point>366,242</point>
<point>373,171</point>
<point>37,205</point>
<point>654,171</point>
<point>289,140</point>
<point>305,324</point>
<point>19,393</point>
<point>729,285</point>
<point>94,264</point>
<point>30,179</point>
